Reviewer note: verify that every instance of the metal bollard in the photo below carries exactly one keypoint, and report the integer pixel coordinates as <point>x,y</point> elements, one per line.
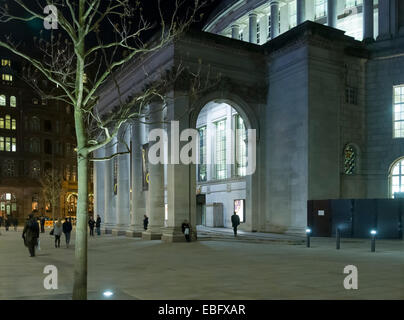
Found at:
<point>308,232</point>
<point>373,240</point>
<point>338,236</point>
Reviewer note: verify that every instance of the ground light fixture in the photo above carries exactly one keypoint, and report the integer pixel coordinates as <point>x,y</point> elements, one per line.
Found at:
<point>107,293</point>
<point>308,233</point>
<point>373,233</point>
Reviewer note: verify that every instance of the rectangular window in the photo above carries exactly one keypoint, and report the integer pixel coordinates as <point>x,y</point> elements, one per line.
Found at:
<point>1,123</point>
<point>241,36</point>
<point>352,3</point>
<point>220,161</point>
<point>1,143</point>
<point>5,62</point>
<point>8,122</point>
<point>320,9</point>
<point>2,100</point>
<point>258,32</point>
<point>202,154</point>
<point>8,144</point>
<point>7,77</point>
<point>398,111</point>
<point>13,144</point>
<point>13,124</point>
<point>241,146</point>
<point>351,95</point>
<point>292,14</point>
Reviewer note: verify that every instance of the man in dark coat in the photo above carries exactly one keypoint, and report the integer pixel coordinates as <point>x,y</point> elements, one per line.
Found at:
<point>43,224</point>
<point>30,234</point>
<point>15,223</point>
<point>145,222</point>
<point>186,230</point>
<point>235,221</point>
<point>98,225</point>
<point>67,229</point>
<point>7,223</point>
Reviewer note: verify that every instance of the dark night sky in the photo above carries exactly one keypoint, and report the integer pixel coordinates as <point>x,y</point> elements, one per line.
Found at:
<point>23,33</point>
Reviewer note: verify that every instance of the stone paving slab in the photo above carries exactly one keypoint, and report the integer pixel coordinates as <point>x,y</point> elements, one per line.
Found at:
<point>215,269</point>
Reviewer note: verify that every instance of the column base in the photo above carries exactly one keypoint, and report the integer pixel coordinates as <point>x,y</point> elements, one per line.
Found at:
<point>148,235</point>
<point>106,230</point>
<point>171,234</point>
<point>119,230</point>
<point>135,231</point>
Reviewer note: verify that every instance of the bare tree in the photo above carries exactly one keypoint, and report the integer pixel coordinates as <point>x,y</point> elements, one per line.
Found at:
<point>94,40</point>
<point>52,184</point>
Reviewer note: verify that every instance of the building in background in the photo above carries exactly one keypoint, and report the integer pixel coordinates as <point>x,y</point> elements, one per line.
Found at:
<point>36,135</point>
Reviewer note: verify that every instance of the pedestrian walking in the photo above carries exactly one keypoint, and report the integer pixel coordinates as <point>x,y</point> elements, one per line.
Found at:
<point>42,221</point>
<point>145,222</point>
<point>235,221</point>
<point>186,230</point>
<point>91,224</point>
<point>7,223</point>
<point>57,232</point>
<point>30,234</point>
<point>15,223</point>
<point>98,225</point>
<point>67,229</point>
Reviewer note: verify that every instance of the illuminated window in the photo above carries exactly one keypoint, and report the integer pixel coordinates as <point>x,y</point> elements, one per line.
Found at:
<point>8,122</point>
<point>292,14</point>
<point>5,63</point>
<point>1,143</point>
<point>8,144</point>
<point>241,146</point>
<point>320,8</point>
<point>220,161</point>
<point>398,111</point>
<point>14,144</point>
<point>1,123</point>
<point>2,100</point>
<point>202,154</point>
<point>397,178</point>
<point>7,77</point>
<point>350,159</point>
<point>13,101</point>
<point>13,124</point>
<point>352,3</point>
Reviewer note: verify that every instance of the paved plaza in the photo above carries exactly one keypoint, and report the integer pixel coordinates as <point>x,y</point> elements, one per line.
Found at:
<point>215,267</point>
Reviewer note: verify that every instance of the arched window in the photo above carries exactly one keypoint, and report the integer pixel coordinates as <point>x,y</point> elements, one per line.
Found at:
<point>8,204</point>
<point>35,124</point>
<point>350,159</point>
<point>35,145</point>
<point>13,101</point>
<point>2,100</point>
<point>397,178</point>
<point>35,169</point>
<point>8,168</point>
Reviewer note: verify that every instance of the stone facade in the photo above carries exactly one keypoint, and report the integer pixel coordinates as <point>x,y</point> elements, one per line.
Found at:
<point>309,93</point>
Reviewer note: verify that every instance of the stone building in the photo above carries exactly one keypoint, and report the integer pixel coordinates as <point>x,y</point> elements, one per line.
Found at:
<point>320,82</point>
<point>35,135</point>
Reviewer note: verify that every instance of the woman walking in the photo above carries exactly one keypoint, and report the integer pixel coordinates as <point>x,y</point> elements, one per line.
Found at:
<point>57,231</point>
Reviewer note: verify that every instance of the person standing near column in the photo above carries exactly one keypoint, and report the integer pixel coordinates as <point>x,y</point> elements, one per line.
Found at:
<point>98,225</point>
<point>235,221</point>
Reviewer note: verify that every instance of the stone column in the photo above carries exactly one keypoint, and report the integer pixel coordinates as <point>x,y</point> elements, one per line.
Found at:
<point>155,204</point>
<point>181,180</point>
<point>274,18</point>
<point>99,196</point>
<point>109,221</point>
<point>123,188</point>
<point>368,20</point>
<point>235,31</point>
<point>300,11</point>
<point>138,195</point>
<point>332,13</point>
<point>384,20</point>
<point>252,25</point>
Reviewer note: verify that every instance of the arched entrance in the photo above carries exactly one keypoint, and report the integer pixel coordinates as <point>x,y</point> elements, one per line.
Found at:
<point>224,182</point>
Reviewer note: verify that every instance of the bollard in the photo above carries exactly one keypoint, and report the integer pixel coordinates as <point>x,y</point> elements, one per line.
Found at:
<point>373,240</point>
<point>338,236</point>
<point>308,232</point>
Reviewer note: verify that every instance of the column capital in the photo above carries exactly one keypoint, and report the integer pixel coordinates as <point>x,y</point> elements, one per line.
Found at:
<point>274,2</point>
<point>252,14</point>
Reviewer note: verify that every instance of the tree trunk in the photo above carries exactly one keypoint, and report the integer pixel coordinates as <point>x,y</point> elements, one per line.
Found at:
<point>80,268</point>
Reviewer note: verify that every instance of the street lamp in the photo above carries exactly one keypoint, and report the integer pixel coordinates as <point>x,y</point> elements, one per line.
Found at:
<point>308,232</point>
<point>108,294</point>
<point>373,233</point>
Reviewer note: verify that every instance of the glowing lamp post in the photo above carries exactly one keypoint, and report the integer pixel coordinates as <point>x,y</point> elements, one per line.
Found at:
<point>373,233</point>
<point>308,233</point>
